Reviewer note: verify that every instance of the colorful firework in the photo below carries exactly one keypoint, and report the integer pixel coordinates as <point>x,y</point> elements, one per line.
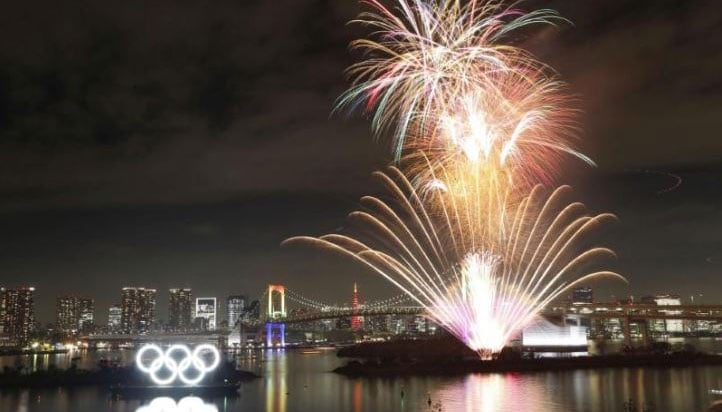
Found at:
<point>482,289</point>
<point>438,75</point>
<point>468,233</point>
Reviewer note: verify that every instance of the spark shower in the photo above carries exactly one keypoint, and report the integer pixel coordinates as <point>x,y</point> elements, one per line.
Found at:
<point>477,126</point>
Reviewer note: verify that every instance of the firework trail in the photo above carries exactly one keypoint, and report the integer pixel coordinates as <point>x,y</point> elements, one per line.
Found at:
<point>483,292</point>
<point>677,180</point>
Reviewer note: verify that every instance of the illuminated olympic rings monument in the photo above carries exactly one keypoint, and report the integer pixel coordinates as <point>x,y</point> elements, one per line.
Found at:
<point>177,362</point>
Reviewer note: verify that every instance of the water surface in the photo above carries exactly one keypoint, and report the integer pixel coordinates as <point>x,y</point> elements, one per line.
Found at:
<point>302,381</point>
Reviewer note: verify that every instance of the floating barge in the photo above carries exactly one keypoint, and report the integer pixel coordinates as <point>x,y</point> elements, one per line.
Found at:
<point>151,391</point>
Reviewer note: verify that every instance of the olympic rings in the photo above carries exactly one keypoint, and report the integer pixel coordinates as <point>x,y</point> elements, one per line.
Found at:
<point>177,369</point>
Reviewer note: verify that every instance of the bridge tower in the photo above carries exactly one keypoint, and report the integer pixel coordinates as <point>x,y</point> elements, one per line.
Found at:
<point>276,312</point>
<point>355,320</point>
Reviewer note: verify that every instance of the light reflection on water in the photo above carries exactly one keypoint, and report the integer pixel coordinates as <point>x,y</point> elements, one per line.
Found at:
<point>297,381</point>
<point>274,375</point>
<point>492,392</point>
<point>187,404</point>
<point>81,358</point>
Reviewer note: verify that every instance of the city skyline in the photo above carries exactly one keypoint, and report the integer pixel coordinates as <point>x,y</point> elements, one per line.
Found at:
<point>168,201</point>
<point>163,304</point>
<point>46,305</point>
<point>75,315</point>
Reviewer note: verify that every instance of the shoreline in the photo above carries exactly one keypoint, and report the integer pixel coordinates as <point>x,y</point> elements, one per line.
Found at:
<point>22,352</point>
<point>448,356</point>
<point>356,368</point>
<point>68,378</point>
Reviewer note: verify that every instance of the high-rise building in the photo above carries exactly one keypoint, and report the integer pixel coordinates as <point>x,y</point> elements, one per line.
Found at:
<point>66,314</point>
<point>180,309</point>
<point>115,315</point>
<point>377,323</point>
<point>419,324</point>
<point>74,314</point>
<point>138,309</point>
<point>2,311</point>
<point>665,325</point>
<point>19,313</point>
<point>581,296</point>
<point>235,305</point>
<point>343,323</point>
<point>396,324</point>
<point>86,314</point>
<point>252,311</point>
<point>206,312</point>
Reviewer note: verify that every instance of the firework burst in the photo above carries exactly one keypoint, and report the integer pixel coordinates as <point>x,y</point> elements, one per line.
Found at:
<point>482,290</point>
<point>439,76</point>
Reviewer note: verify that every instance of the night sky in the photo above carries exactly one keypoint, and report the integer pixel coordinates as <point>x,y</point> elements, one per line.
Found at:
<point>176,144</point>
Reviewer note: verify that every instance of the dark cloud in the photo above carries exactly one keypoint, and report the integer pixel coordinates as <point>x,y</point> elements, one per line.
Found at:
<point>130,103</point>
<point>664,238</point>
<point>646,71</point>
<point>167,142</point>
